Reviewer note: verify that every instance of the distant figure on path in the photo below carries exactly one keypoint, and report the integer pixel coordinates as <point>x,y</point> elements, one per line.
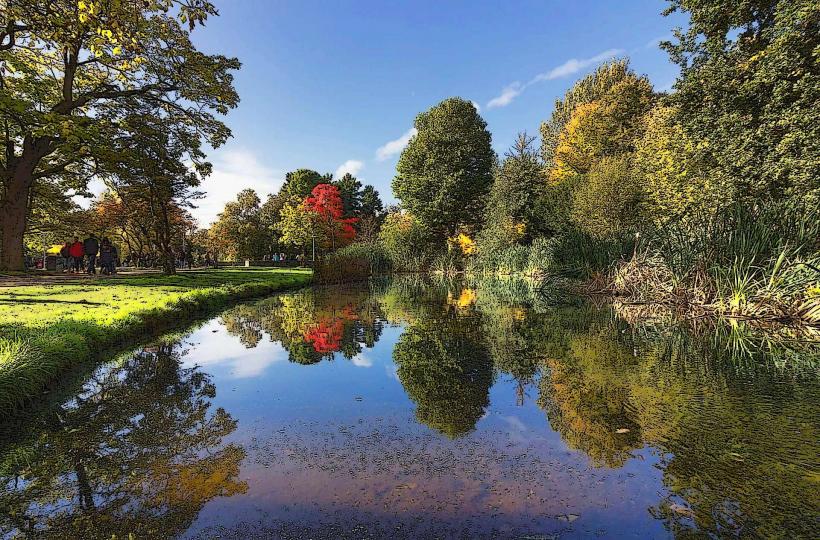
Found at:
<point>91,247</point>
<point>106,257</point>
<point>76,251</point>
<point>65,254</point>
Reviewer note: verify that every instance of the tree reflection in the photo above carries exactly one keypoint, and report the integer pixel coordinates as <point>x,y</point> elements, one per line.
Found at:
<point>444,365</point>
<point>735,439</point>
<point>138,452</point>
<point>312,324</point>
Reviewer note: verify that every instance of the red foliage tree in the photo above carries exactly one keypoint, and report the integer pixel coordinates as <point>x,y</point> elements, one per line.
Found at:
<point>326,202</point>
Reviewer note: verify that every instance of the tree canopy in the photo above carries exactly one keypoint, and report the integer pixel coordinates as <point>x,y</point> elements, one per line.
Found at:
<point>444,174</point>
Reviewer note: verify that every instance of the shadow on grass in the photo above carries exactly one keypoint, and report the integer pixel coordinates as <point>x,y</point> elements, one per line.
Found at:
<point>44,301</point>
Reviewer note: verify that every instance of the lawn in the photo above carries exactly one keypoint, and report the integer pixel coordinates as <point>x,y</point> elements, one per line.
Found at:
<point>46,328</point>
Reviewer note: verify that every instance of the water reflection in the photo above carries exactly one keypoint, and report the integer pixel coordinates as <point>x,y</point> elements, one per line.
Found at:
<point>716,426</point>
<point>139,452</point>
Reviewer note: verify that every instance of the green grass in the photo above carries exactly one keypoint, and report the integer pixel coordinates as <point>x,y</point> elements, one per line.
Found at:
<point>46,329</point>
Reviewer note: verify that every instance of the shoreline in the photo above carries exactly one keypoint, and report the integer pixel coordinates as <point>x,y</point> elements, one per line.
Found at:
<point>33,358</point>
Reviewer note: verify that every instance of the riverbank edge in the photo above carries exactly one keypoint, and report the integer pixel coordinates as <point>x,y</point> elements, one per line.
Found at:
<point>38,362</point>
<point>684,302</point>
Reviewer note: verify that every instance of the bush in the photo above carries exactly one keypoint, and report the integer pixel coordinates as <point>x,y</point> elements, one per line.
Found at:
<point>357,261</point>
<point>407,242</point>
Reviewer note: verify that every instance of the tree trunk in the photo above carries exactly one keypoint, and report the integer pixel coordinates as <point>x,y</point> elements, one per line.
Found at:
<point>13,215</point>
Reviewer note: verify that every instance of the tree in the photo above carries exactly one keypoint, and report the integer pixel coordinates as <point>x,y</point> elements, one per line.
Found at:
<point>749,89</point>
<point>371,204</point>
<point>407,241</point>
<point>445,172</point>
<point>300,183</point>
<point>325,204</point>
<point>73,70</point>
<point>296,225</point>
<point>157,168</point>
<point>238,230</point>
<point>350,190</point>
<point>513,212</point>
<point>587,90</point>
<point>675,184</point>
<point>607,202</point>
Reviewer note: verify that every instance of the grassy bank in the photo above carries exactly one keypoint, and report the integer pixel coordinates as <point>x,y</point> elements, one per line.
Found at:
<point>45,329</point>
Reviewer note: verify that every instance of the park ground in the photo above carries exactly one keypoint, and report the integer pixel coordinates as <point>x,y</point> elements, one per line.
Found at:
<point>52,323</point>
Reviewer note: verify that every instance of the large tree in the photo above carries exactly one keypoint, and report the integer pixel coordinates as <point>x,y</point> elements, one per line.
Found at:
<point>239,232</point>
<point>71,71</point>
<point>445,172</point>
<point>749,91</point>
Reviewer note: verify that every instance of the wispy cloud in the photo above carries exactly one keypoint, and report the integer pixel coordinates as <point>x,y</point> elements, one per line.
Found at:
<point>476,105</point>
<point>392,148</point>
<point>654,42</point>
<point>507,95</point>
<point>352,166</point>
<point>570,67</point>
<point>234,170</point>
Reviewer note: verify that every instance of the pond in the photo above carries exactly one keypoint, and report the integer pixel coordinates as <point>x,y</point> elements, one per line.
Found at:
<point>414,409</point>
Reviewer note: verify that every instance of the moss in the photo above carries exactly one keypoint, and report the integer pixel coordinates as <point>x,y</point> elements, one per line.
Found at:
<point>46,330</point>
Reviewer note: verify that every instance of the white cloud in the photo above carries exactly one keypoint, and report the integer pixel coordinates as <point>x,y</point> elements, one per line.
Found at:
<point>233,171</point>
<point>570,67</point>
<point>392,148</point>
<point>476,105</point>
<point>351,166</point>
<point>509,93</point>
<point>573,66</point>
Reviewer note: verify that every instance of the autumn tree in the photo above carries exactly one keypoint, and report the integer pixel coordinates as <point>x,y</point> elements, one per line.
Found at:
<point>73,70</point>
<point>326,206</point>
<point>444,174</point>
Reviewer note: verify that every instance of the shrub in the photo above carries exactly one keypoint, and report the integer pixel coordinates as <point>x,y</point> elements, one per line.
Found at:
<point>407,242</point>
<point>354,262</point>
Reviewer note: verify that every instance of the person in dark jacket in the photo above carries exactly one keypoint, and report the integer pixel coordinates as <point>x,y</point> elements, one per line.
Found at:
<point>76,251</point>
<point>106,257</point>
<point>65,254</point>
<point>91,247</point>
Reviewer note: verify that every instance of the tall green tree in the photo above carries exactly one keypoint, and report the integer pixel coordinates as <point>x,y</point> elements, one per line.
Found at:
<point>445,172</point>
<point>749,88</point>
<point>239,231</point>
<point>513,212</point>
<point>350,190</point>
<point>371,202</point>
<point>300,183</point>
<point>71,72</point>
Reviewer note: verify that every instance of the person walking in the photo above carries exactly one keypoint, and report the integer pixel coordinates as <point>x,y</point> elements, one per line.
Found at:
<point>91,247</point>
<point>106,257</point>
<point>65,254</point>
<point>76,251</point>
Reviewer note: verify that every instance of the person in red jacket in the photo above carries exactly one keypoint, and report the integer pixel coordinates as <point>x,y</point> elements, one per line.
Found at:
<point>77,250</point>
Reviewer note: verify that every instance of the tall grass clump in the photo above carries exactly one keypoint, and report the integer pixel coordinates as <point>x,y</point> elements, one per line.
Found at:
<point>358,261</point>
<point>746,261</point>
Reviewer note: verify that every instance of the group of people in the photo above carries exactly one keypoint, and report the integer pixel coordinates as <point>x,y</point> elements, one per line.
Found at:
<point>83,256</point>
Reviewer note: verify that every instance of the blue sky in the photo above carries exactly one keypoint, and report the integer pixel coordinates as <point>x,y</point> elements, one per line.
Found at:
<point>327,84</point>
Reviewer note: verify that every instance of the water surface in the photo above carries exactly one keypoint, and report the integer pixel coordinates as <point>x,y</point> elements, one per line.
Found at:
<point>411,409</point>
